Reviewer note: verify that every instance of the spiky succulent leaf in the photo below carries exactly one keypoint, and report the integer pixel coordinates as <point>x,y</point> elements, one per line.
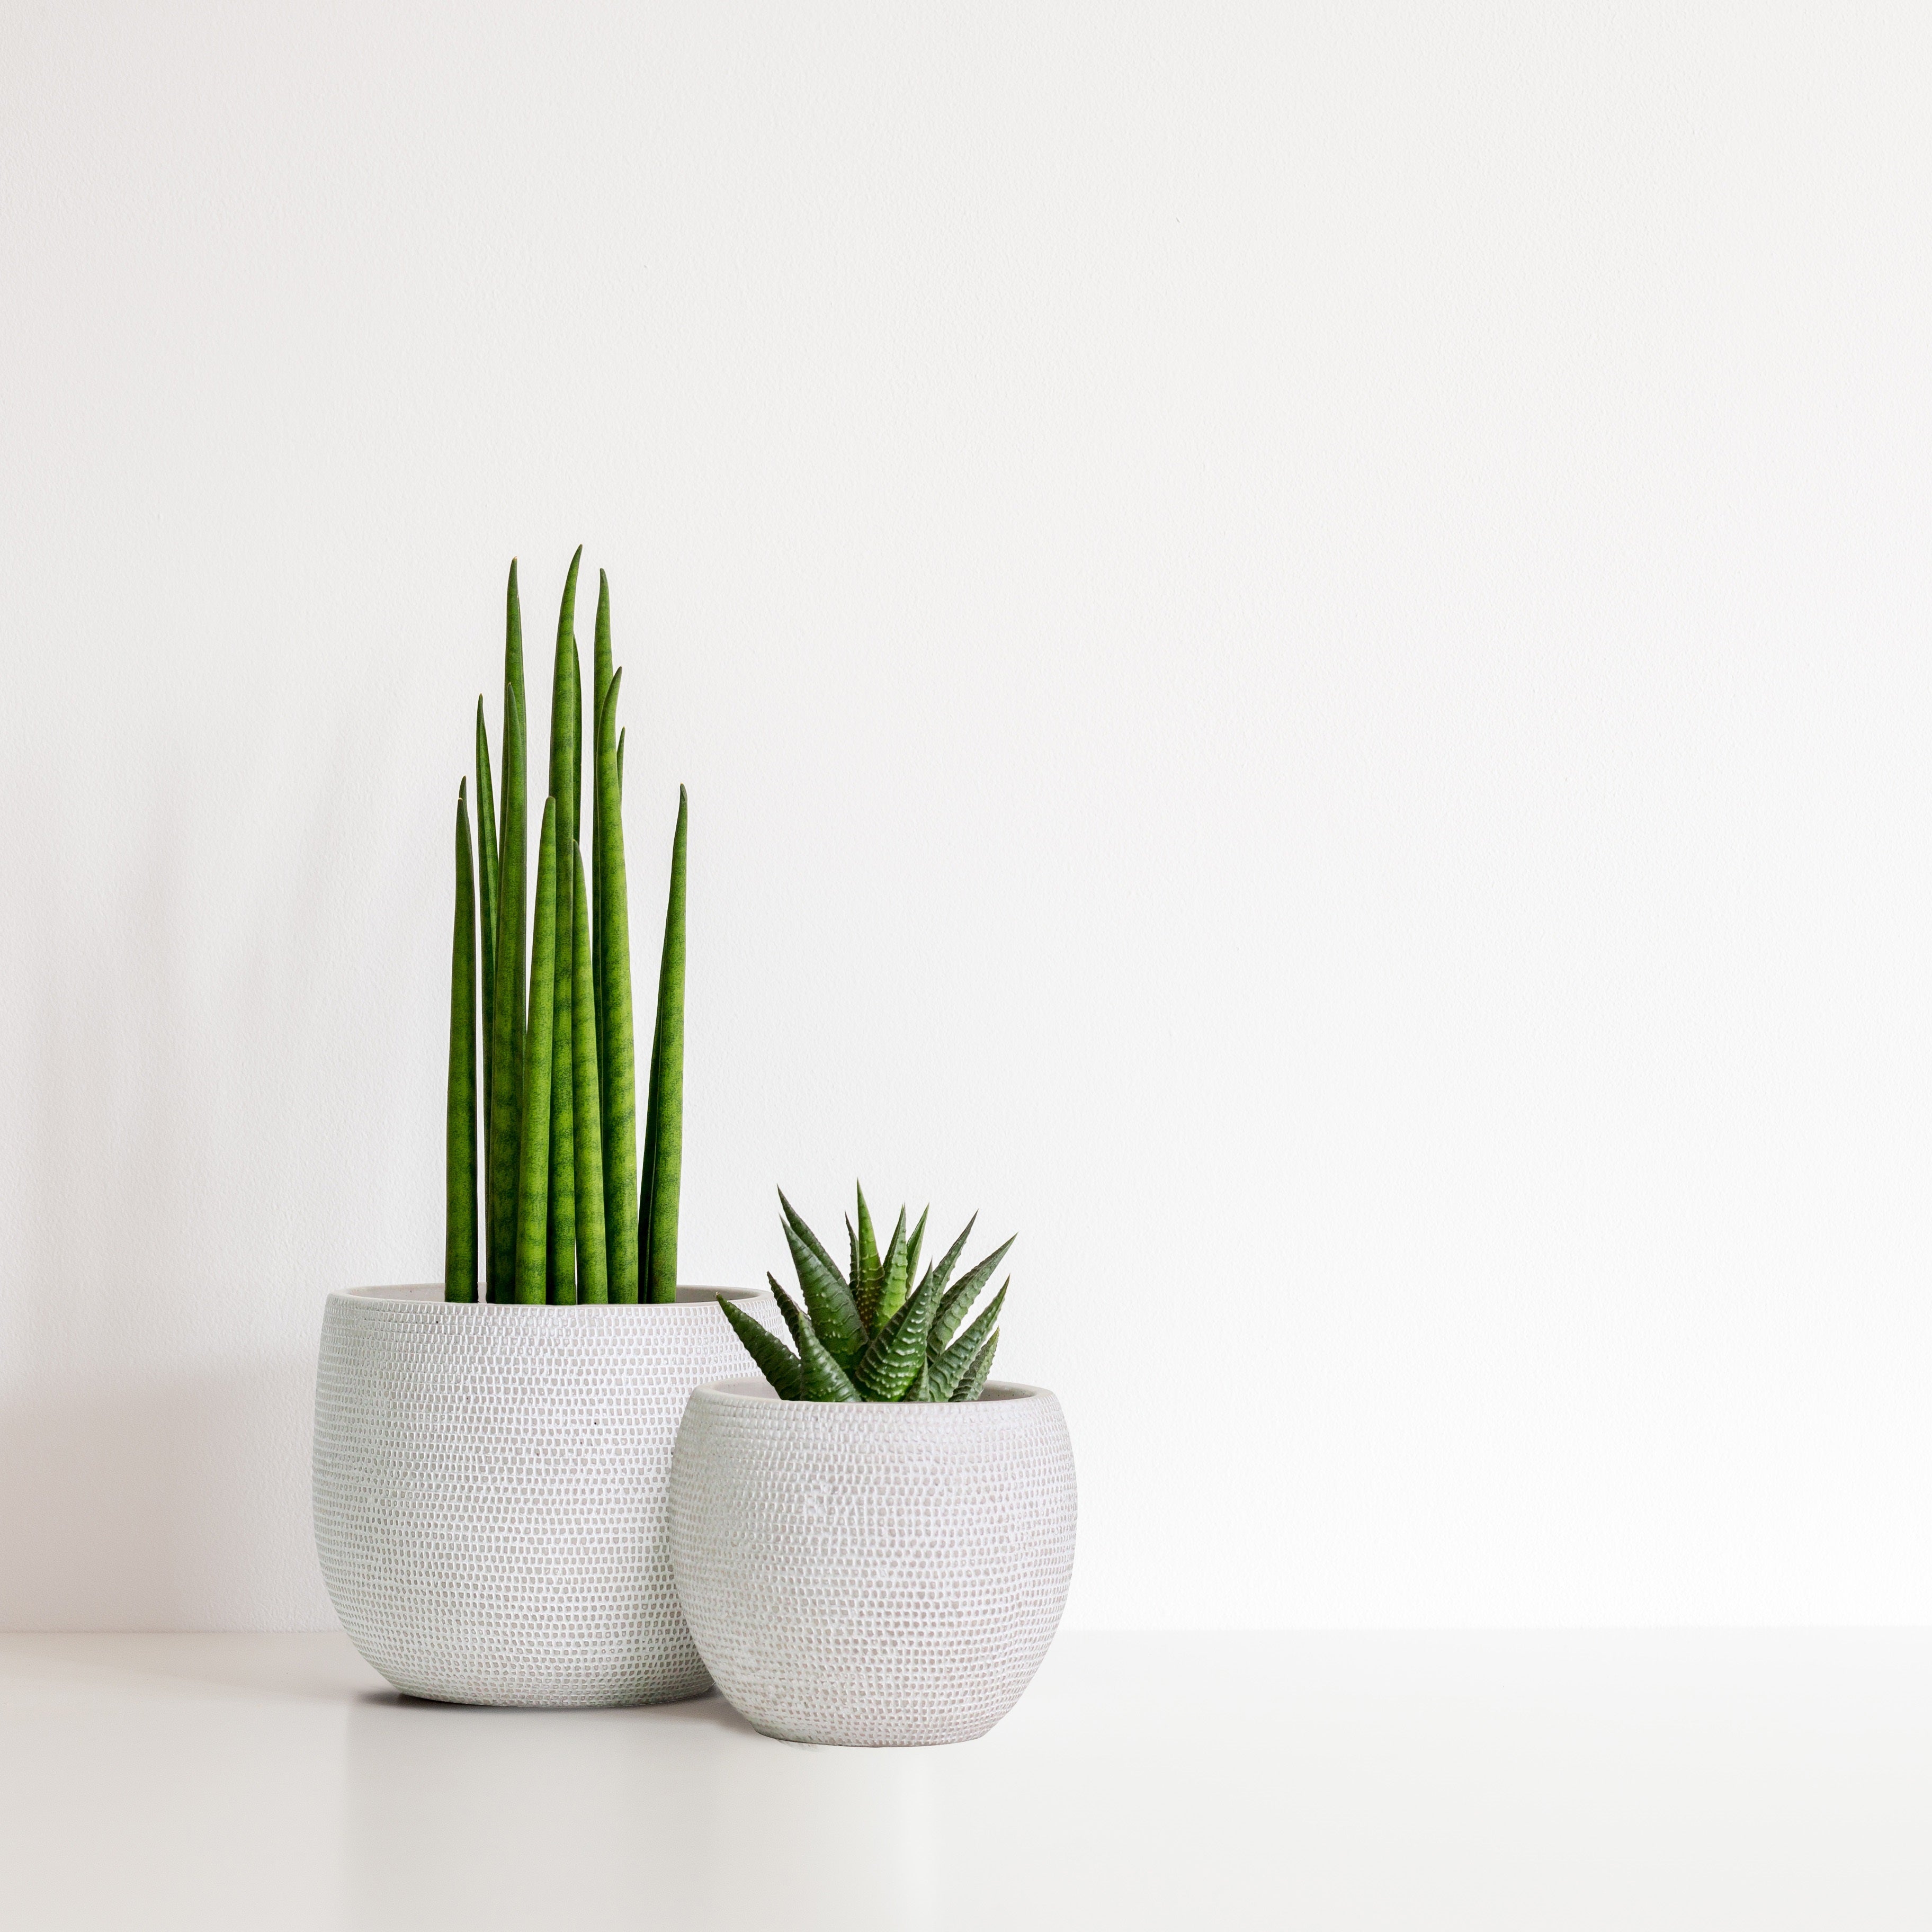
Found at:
<point>922,1388</point>
<point>601,676</point>
<point>618,1085</point>
<point>946,1322</point>
<point>663,1131</point>
<point>533,1204</point>
<point>896,1354</point>
<point>971,1284</point>
<point>893,1275</point>
<point>913,1245</point>
<point>821,1378</point>
<point>872,1281</point>
<point>942,1269</point>
<point>973,1383</point>
<point>787,1307</point>
<point>827,1301</point>
<point>951,1368</point>
<point>593,1280</point>
<point>795,1222</point>
<point>565,716</point>
<point>459,1234</point>
<point>776,1363</point>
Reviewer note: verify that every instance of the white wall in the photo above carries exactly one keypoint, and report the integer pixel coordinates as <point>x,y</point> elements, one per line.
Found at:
<point>1301,641</point>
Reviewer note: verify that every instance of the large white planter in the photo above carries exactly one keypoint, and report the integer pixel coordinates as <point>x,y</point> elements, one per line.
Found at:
<point>872,1572</point>
<point>489,1490</point>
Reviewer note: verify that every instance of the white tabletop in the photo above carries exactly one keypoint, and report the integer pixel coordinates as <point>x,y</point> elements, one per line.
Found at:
<point>1648,1780</point>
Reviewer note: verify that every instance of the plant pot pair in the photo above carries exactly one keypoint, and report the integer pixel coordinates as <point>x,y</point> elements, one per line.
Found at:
<point>596,1505</point>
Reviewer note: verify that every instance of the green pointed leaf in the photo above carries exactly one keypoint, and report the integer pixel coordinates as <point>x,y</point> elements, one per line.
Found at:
<point>566,714</point>
<point>533,1206</point>
<point>776,1363</point>
<point>787,1307</point>
<point>664,1135</point>
<point>820,1377</point>
<point>618,1083</point>
<point>601,676</point>
<point>459,1235</point>
<point>796,1221</point>
<point>949,1370</point>
<point>827,1301</point>
<point>942,1269</point>
<point>872,1281</point>
<point>913,1245</point>
<point>896,1354</point>
<point>892,1276</point>
<point>593,1280</point>
<point>973,1383</point>
<point>969,1284</point>
<point>561,1261</point>
<point>486,827</point>
<point>506,1016</point>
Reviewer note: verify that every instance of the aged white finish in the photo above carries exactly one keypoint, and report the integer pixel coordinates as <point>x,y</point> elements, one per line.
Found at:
<point>872,1572</point>
<point>490,1485</point>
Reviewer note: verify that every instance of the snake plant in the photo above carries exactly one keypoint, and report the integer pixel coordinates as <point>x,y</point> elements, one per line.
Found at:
<point>558,1095</point>
<point>881,1331</point>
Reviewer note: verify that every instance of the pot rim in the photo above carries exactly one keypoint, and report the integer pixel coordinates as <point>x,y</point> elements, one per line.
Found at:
<point>429,1295</point>
<point>756,1389</point>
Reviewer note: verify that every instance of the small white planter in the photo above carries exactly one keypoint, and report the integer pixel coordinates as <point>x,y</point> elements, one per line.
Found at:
<point>872,1572</point>
<point>489,1490</point>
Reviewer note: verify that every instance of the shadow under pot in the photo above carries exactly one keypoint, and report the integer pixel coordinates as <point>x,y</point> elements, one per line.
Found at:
<point>872,1572</point>
<point>490,1486</point>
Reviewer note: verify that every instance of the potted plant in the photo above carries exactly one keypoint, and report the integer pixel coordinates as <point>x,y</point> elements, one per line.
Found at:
<point>490,1475</point>
<point>871,1540</point>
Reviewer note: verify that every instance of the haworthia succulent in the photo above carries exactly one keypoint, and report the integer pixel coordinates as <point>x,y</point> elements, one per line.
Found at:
<point>828,1301</point>
<point>593,1283</point>
<point>776,1363</point>
<point>507,1015</point>
<point>950,1368</point>
<point>533,1204</point>
<point>942,1269</point>
<point>459,1239</point>
<point>914,1244</point>
<point>971,1282</point>
<point>897,1352</point>
<point>973,1383</point>
<point>787,1307</point>
<point>664,1120</point>
<point>562,1260</point>
<point>796,1221</point>
<point>821,1377</point>
<point>892,1277</point>
<point>866,1291</point>
<point>486,828</point>
<point>619,1086</point>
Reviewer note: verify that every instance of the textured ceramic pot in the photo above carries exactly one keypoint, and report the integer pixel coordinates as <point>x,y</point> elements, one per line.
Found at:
<point>872,1572</point>
<point>489,1490</point>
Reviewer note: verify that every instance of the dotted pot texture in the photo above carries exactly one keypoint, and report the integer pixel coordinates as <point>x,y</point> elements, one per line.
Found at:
<point>872,1572</point>
<point>491,1487</point>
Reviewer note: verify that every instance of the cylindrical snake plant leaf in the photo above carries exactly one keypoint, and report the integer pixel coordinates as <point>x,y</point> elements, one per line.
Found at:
<point>563,1245</point>
<point>947,1371</point>
<point>866,1290</point>
<point>533,1207</point>
<point>506,1018</point>
<point>619,1086</point>
<point>827,1301</point>
<point>776,1363</point>
<point>593,1279</point>
<point>576,753</point>
<point>486,829</point>
<point>973,1383</point>
<point>787,1307</point>
<point>459,1236</point>
<point>821,1378</point>
<point>896,1354</point>
<point>601,676</point>
<point>664,1126</point>
<point>563,712</point>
